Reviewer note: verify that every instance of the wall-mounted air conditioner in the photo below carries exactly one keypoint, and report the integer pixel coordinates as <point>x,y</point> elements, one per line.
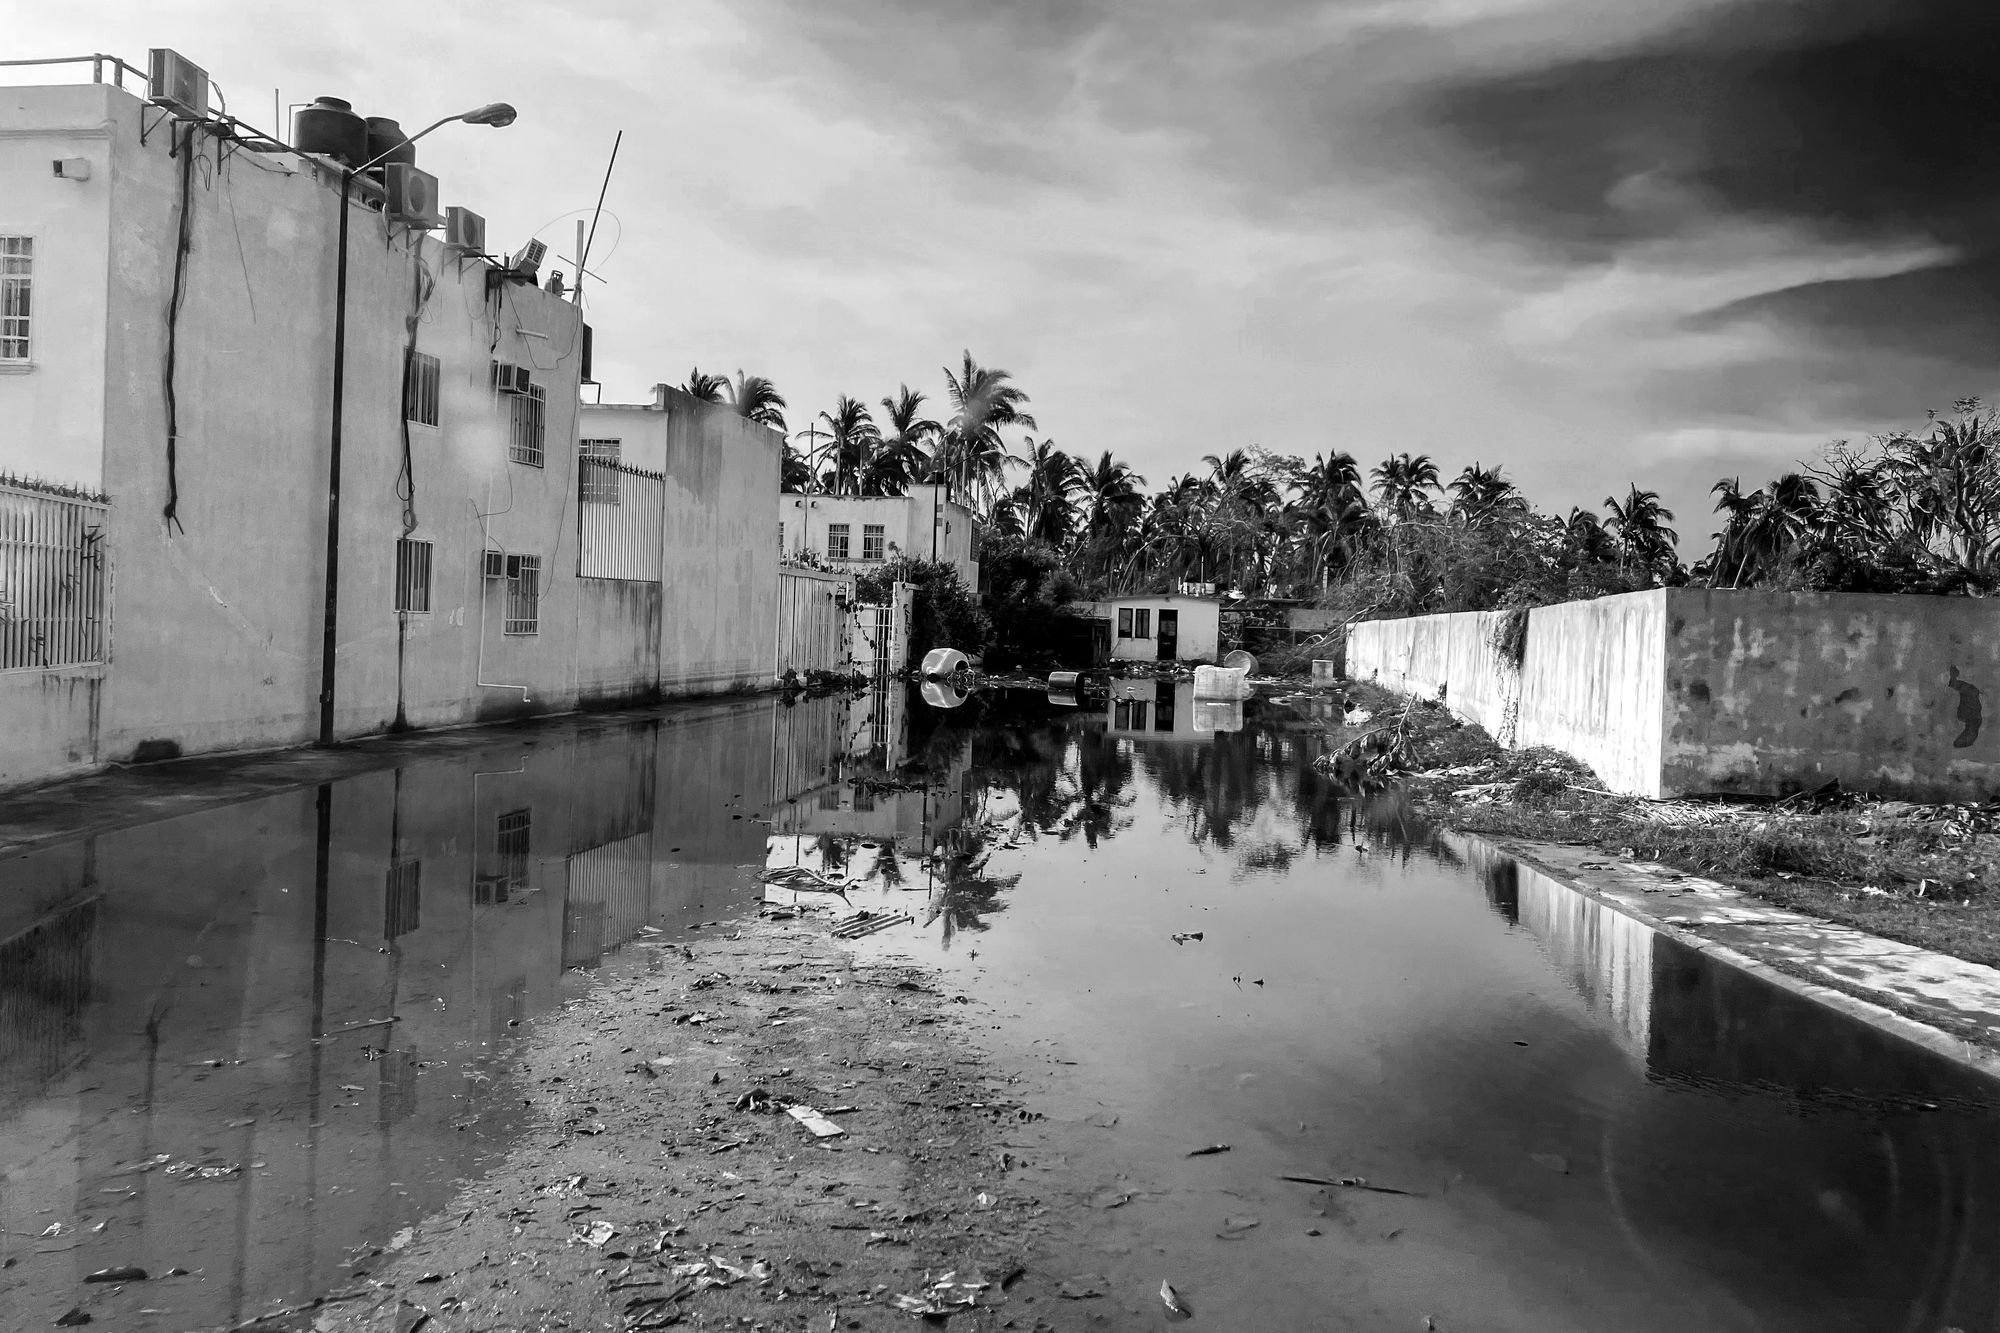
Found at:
<point>496,564</point>
<point>509,378</point>
<point>411,197</point>
<point>464,230</point>
<point>178,83</point>
<point>529,261</point>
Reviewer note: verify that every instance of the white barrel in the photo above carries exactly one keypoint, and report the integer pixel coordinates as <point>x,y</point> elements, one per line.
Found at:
<point>1221,683</point>
<point>1241,661</point>
<point>1064,680</point>
<point>941,662</point>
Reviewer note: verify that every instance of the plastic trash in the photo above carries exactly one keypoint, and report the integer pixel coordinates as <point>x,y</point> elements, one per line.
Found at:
<point>1064,681</point>
<point>1221,682</point>
<point>941,662</point>
<point>940,695</point>
<point>1177,1308</point>
<point>821,1127</point>
<point>1241,661</point>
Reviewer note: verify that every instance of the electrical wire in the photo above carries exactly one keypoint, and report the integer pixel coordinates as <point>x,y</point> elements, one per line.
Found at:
<point>183,243</point>
<point>422,283</point>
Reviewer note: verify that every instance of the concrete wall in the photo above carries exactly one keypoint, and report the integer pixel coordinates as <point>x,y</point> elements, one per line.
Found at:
<point>1449,655</point>
<point>1777,691</point>
<point>1683,690</point>
<point>1200,637</point>
<point>217,616</point>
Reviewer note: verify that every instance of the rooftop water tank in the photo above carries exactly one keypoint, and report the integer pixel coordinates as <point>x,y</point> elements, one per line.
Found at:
<point>387,141</point>
<point>328,127</point>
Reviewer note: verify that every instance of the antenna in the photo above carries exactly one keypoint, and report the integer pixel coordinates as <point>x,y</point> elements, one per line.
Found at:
<point>584,258</point>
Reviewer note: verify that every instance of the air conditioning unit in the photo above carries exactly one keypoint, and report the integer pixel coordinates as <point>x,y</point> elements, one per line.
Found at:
<point>529,261</point>
<point>496,564</point>
<point>411,197</point>
<point>509,378</point>
<point>464,230</point>
<point>178,83</point>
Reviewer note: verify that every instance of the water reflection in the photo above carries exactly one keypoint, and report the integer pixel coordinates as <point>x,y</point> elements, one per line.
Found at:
<point>247,1041</point>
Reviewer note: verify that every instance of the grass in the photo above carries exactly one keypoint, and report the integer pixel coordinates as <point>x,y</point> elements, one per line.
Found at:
<point>1922,875</point>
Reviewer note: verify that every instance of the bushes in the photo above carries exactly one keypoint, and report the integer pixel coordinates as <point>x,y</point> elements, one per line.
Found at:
<point>943,614</point>
<point>1027,585</point>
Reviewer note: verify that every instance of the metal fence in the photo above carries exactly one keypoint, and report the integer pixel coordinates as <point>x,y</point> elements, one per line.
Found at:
<point>621,521</point>
<point>812,620</point>
<point>54,579</point>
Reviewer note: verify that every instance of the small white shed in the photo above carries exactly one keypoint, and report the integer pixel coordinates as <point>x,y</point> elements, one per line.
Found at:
<point>1163,627</point>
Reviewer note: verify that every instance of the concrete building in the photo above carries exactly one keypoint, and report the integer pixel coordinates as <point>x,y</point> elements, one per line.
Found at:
<point>169,339</point>
<point>1162,627</point>
<point>856,533</point>
<point>1166,710</point>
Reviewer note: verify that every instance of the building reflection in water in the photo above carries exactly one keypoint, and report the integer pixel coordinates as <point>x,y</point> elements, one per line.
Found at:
<point>249,1040</point>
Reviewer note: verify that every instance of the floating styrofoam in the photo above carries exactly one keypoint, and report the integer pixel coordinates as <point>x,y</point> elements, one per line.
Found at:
<point>1221,682</point>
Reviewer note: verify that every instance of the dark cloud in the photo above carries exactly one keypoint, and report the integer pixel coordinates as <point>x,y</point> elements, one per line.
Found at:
<point>1855,121</point>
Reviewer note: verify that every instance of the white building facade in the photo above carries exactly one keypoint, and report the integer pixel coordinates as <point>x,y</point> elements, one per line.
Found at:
<point>1162,627</point>
<point>857,533</point>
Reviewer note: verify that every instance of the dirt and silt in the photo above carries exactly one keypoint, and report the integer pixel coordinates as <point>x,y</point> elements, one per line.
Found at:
<point>1446,1093</point>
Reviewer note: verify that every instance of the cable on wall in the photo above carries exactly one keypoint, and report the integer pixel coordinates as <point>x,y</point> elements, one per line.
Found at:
<point>183,243</point>
<point>422,284</point>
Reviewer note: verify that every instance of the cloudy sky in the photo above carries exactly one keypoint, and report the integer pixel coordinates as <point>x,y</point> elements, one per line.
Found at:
<point>1593,241</point>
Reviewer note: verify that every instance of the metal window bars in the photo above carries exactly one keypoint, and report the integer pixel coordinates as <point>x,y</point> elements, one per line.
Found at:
<point>524,594</point>
<point>54,580</point>
<point>597,471</point>
<point>413,575</point>
<point>17,277</point>
<point>526,412</point>
<point>874,539</point>
<point>420,396</point>
<point>515,837</point>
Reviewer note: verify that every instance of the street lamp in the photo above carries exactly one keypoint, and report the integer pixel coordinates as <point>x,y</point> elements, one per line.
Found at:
<point>493,113</point>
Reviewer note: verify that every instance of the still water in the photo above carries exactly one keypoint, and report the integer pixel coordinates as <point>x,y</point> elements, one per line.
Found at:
<point>1596,1128</point>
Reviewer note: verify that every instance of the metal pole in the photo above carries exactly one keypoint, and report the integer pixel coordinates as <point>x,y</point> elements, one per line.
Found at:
<point>327,640</point>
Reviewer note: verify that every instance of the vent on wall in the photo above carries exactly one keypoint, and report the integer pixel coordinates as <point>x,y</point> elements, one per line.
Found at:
<point>178,83</point>
<point>464,230</point>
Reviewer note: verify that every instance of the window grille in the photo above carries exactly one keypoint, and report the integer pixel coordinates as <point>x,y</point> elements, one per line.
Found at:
<point>413,575</point>
<point>17,276</point>
<point>55,579</point>
<point>1124,622</point>
<point>598,485</point>
<point>515,830</point>
<point>526,410</point>
<point>1142,623</point>
<point>836,541</point>
<point>524,594</point>
<point>401,906</point>
<point>420,389</point>
<point>872,541</point>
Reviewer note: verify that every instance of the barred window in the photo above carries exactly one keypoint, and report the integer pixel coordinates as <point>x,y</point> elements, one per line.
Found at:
<point>1142,623</point>
<point>420,389</point>
<point>402,910</point>
<point>17,265</point>
<point>526,409</point>
<point>524,594</point>
<point>598,485</point>
<point>515,830</point>
<point>836,541</point>
<point>413,575</point>
<point>872,540</point>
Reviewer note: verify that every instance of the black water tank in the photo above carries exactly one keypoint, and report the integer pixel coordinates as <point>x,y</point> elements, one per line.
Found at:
<point>387,141</point>
<point>329,128</point>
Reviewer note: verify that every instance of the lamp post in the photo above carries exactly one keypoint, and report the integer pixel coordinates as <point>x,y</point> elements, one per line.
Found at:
<point>493,113</point>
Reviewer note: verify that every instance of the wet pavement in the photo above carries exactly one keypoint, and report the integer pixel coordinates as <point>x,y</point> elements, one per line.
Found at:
<point>1594,1127</point>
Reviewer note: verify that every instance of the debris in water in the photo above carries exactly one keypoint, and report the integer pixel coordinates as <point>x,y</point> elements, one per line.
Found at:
<point>865,922</point>
<point>1236,1228</point>
<point>1183,939</point>
<point>1210,1150</point>
<point>402,1238</point>
<point>1177,1309</point>
<point>1083,1286</point>
<point>821,1127</point>
<point>594,1235</point>
<point>128,1273</point>
<point>1349,1182</point>
<point>74,1317</point>
<point>1110,1199</point>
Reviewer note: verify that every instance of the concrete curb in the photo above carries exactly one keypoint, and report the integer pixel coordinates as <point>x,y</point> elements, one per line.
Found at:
<point>1754,937</point>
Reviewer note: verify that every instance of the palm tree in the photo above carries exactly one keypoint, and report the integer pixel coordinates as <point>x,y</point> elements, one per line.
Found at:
<point>1640,526</point>
<point>905,452</point>
<point>1111,504</point>
<point>1046,499</point>
<point>974,455</point>
<point>1403,483</point>
<point>704,388</point>
<point>855,437</point>
<point>1480,494</point>
<point>758,400</point>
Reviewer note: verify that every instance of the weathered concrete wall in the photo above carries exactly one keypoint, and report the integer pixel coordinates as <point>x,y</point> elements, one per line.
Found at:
<point>1684,690</point>
<point>1773,692</point>
<point>1452,655</point>
<point>1590,686</point>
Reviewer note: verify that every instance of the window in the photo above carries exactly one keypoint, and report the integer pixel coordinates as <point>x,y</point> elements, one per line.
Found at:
<point>514,830</point>
<point>781,536</point>
<point>836,541</point>
<point>524,594</point>
<point>401,906</point>
<point>1124,622</point>
<point>420,389</point>
<point>17,265</point>
<point>413,575</point>
<point>1142,623</point>
<point>598,485</point>
<point>525,411</point>
<point>872,540</point>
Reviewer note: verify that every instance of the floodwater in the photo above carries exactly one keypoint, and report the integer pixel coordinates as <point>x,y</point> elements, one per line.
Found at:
<point>1594,1128</point>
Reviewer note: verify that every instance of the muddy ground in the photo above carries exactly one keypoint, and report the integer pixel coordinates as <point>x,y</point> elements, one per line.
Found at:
<point>658,1189</point>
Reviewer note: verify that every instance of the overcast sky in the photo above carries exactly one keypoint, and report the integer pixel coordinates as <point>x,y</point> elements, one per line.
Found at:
<point>1592,241</point>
